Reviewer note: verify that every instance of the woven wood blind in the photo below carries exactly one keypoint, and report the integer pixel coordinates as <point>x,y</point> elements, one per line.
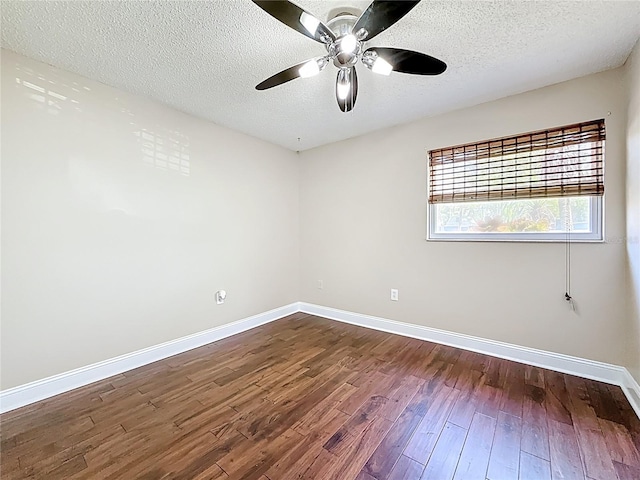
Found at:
<point>564,161</point>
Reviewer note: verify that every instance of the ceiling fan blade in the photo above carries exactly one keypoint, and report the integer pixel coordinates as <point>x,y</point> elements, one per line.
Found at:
<point>279,78</point>
<point>380,15</point>
<point>305,69</point>
<point>295,17</point>
<point>347,88</point>
<point>407,61</point>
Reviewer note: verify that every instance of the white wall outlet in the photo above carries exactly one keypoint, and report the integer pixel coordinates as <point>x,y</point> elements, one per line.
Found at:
<point>220,296</point>
<point>394,294</point>
<point>320,284</point>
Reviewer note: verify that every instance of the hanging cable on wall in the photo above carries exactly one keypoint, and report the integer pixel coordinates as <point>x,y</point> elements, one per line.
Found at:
<point>567,256</point>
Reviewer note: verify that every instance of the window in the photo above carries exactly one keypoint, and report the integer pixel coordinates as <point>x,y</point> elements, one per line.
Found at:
<point>537,186</point>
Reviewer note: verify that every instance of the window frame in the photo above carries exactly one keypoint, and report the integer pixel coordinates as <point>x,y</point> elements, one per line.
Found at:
<point>595,236</point>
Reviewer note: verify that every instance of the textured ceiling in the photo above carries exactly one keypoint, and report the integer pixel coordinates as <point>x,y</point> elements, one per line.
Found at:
<point>205,58</point>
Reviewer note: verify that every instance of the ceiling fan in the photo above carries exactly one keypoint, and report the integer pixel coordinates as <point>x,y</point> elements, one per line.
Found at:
<point>344,37</point>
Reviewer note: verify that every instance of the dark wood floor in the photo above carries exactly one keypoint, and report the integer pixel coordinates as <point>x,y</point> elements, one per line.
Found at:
<point>306,397</point>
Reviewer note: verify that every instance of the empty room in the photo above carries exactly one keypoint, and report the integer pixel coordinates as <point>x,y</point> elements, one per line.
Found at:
<point>348,240</point>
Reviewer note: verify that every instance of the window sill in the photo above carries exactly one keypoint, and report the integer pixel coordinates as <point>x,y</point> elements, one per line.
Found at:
<point>514,240</point>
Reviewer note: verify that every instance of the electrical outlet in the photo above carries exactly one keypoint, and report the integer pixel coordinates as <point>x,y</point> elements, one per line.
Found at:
<point>220,296</point>
<point>320,284</point>
<point>394,294</point>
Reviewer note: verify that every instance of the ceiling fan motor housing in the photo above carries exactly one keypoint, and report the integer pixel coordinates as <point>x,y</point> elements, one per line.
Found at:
<point>342,23</point>
<point>347,48</point>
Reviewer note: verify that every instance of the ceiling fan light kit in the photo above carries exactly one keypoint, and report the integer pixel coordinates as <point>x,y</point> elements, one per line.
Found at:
<point>344,37</point>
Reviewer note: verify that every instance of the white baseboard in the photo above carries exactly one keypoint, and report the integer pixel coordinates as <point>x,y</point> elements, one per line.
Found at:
<point>631,389</point>
<point>581,367</point>
<point>48,387</point>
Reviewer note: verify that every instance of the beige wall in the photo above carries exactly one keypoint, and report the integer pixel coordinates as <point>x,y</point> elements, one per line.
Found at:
<point>633,211</point>
<point>363,225</point>
<point>106,248</point>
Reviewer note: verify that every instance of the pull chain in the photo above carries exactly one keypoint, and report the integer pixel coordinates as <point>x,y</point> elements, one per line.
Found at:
<point>567,257</point>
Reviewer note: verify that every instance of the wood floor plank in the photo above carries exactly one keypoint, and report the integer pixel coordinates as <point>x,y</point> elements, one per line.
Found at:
<point>351,461</point>
<point>256,459</point>
<point>474,458</point>
<point>565,453</point>
<point>513,390</point>
<point>593,447</point>
<point>213,417</point>
<point>459,369</point>
<point>296,463</point>
<point>619,443</point>
<point>189,456</point>
<point>505,452</point>
<point>557,398</point>
<point>406,469</point>
<point>604,404</point>
<point>123,446</point>
<point>435,377</point>
<point>376,381</point>
<point>47,459</point>
<point>444,459</point>
<point>626,472</point>
<point>29,440</point>
<point>534,376</point>
<point>69,467</point>
<point>311,470</point>
<point>343,439</point>
<point>212,473</point>
<point>10,469</point>
<point>468,399</point>
<point>390,449</point>
<point>628,417</point>
<point>364,476</point>
<point>297,459</point>
<point>535,433</point>
<point>402,391</point>
<point>534,468</point>
<point>488,400</point>
<point>423,441</point>
<point>309,398</point>
<point>495,372</point>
